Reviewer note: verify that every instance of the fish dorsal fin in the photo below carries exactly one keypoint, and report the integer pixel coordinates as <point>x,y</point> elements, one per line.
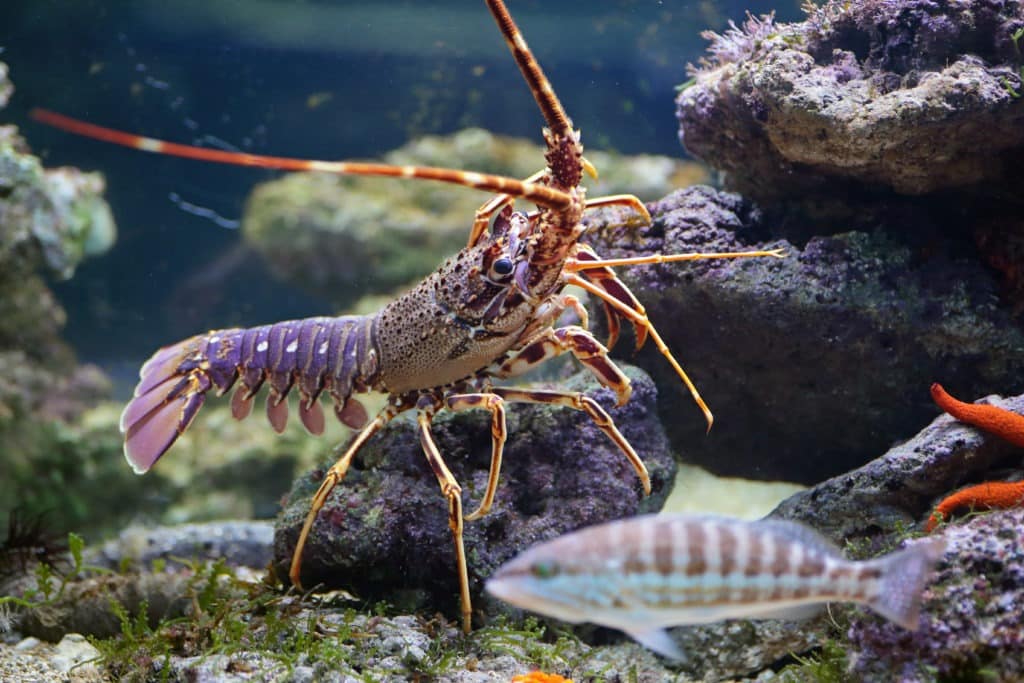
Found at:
<point>800,533</point>
<point>658,640</point>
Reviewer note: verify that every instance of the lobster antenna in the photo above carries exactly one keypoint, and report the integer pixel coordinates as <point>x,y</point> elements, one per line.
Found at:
<point>555,116</point>
<point>542,195</point>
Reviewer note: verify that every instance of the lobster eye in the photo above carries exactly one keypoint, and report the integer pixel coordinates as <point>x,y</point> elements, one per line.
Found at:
<point>502,266</point>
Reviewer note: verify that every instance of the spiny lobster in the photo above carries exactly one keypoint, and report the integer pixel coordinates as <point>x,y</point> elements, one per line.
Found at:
<point>489,312</point>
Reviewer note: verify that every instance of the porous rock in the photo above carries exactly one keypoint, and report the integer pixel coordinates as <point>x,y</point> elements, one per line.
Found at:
<point>896,491</point>
<point>973,606</point>
<point>814,362</point>
<point>915,96</point>
<point>970,628</point>
<point>384,530</point>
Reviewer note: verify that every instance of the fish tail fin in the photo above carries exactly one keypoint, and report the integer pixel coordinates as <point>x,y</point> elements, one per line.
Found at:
<point>904,575</point>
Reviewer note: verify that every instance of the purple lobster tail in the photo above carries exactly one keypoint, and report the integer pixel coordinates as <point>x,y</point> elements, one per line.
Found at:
<point>317,354</point>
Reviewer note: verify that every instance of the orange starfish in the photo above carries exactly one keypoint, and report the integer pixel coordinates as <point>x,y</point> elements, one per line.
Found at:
<point>993,494</point>
<point>992,419</point>
<point>539,677</point>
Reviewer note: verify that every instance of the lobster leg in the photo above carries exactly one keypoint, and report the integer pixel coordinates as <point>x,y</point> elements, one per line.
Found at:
<point>638,316</point>
<point>579,401</point>
<point>499,432</point>
<point>605,278</point>
<point>332,479</point>
<point>550,343</point>
<point>453,494</point>
<point>628,200</point>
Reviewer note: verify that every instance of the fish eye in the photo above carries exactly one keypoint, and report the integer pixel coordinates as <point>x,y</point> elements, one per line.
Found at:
<point>544,570</point>
<point>502,266</point>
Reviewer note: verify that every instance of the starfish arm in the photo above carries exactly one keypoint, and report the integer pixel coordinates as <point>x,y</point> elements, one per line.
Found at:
<point>992,419</point>
<point>990,495</point>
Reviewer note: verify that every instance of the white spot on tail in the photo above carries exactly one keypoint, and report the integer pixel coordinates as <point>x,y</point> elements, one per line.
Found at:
<point>291,347</point>
<point>323,348</point>
<point>214,339</point>
<point>262,346</point>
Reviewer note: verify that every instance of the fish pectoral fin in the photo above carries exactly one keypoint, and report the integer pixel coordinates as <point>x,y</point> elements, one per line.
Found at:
<point>660,641</point>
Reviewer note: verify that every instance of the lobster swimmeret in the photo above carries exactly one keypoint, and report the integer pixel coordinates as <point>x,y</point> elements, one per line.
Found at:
<point>488,312</point>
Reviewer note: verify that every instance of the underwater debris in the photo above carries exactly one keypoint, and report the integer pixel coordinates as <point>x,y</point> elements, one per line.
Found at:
<point>644,574</point>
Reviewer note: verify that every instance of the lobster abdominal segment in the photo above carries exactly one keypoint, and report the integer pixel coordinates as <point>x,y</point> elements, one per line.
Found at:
<point>336,355</point>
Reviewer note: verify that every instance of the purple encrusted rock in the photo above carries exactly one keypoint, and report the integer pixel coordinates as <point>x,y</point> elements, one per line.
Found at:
<point>813,363</point>
<point>973,629</point>
<point>384,530</point>
<point>913,96</point>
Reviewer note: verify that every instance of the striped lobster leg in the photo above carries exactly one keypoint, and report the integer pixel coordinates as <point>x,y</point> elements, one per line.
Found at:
<point>336,355</point>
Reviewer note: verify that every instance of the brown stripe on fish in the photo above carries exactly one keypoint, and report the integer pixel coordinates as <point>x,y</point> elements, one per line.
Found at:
<point>695,543</point>
<point>812,565</point>
<point>664,555</point>
<point>640,553</point>
<point>754,565</point>
<point>844,578</point>
<point>728,547</point>
<point>779,565</point>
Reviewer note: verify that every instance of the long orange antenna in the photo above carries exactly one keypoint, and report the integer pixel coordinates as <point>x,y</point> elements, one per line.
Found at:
<point>554,114</point>
<point>539,194</point>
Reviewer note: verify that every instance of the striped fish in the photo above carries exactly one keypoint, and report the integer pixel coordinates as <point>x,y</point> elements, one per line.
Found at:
<point>644,574</point>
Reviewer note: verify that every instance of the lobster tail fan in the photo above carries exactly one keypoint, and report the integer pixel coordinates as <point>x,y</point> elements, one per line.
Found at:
<point>166,401</point>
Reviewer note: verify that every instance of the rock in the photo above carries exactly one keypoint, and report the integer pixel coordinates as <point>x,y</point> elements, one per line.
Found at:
<point>896,491</point>
<point>814,362</point>
<point>971,607</point>
<point>971,624</point>
<point>5,86</point>
<point>863,92</point>
<point>91,606</point>
<point>75,652</point>
<point>974,607</point>
<point>239,543</point>
<point>53,217</point>
<point>50,220</point>
<point>32,660</point>
<point>905,117</point>
<point>384,533</point>
<point>341,238</point>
